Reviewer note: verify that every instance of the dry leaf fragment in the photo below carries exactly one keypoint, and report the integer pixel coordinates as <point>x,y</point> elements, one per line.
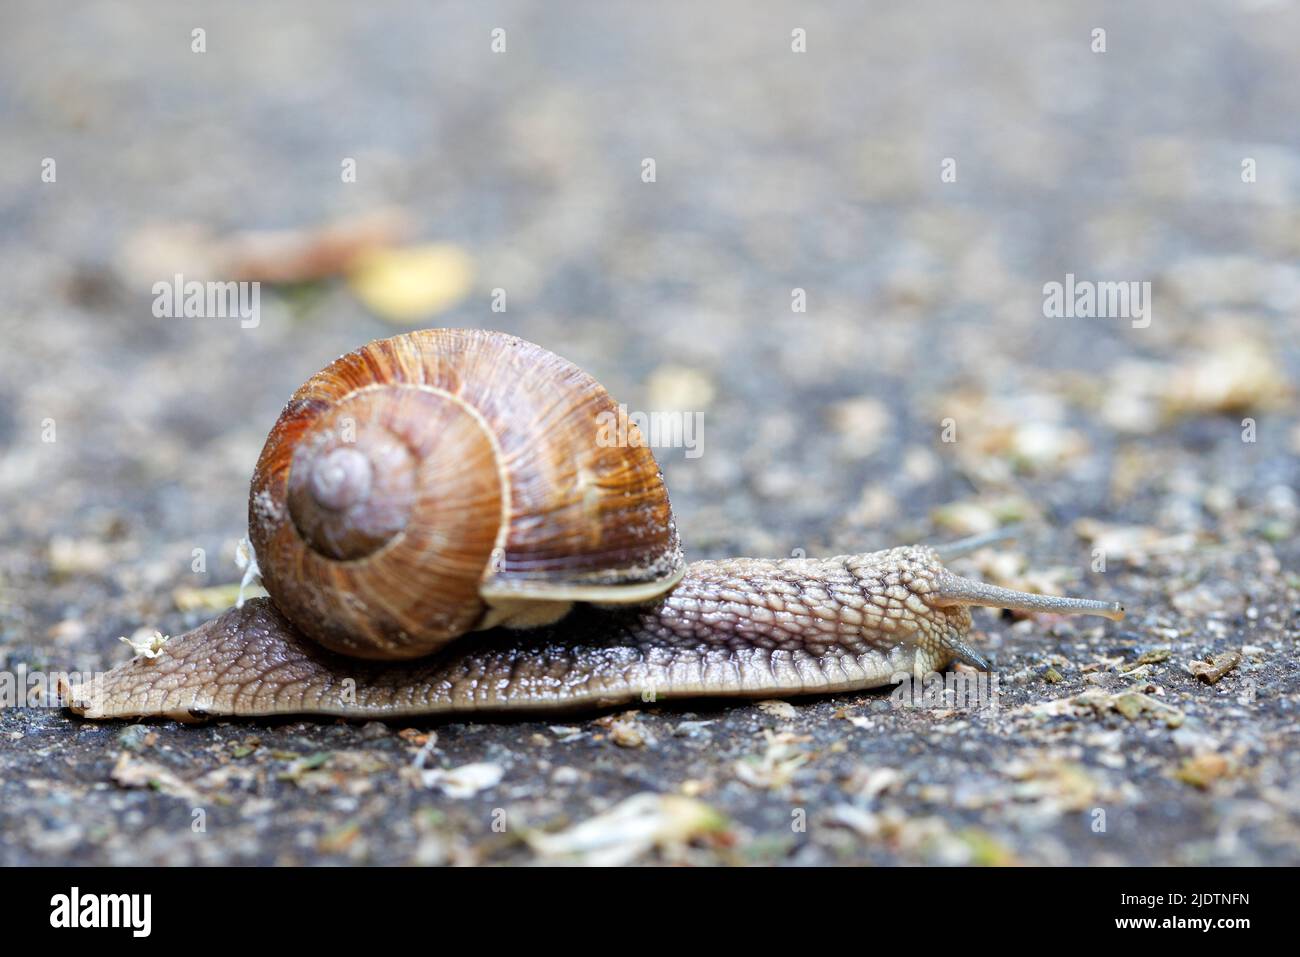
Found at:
<point>85,556</point>
<point>868,783</point>
<point>680,388</point>
<point>1203,770</point>
<point>1152,657</point>
<point>774,768</point>
<point>626,730</point>
<point>1237,376</point>
<point>130,772</point>
<point>965,518</point>
<point>1131,542</point>
<point>777,709</point>
<point>1210,672</point>
<point>216,598</point>
<point>260,255</point>
<point>1131,704</point>
<point>859,820</point>
<point>631,828</point>
<point>862,423</point>
<point>303,255</point>
<point>464,781</point>
<point>1055,784</point>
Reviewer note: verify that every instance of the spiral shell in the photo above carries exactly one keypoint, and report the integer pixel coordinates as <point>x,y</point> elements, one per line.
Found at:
<point>446,480</point>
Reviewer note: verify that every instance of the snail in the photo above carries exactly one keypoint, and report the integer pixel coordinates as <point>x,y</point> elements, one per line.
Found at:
<point>441,525</point>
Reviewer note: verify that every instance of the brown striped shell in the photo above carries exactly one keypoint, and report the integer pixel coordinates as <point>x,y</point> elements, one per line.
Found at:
<point>445,480</point>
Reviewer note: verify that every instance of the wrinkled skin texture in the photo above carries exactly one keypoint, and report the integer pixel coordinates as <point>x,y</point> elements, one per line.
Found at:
<point>737,627</point>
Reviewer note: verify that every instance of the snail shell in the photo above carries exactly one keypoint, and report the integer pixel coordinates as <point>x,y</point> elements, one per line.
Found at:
<point>448,480</point>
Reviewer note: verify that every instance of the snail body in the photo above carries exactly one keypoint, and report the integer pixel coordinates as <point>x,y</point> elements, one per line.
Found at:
<point>440,529</point>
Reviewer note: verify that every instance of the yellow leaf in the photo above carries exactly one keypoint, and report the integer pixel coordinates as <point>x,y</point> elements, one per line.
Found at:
<point>406,285</point>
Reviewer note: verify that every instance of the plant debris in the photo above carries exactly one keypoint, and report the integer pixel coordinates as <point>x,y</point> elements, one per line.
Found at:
<point>464,781</point>
<point>665,822</point>
<point>1210,672</point>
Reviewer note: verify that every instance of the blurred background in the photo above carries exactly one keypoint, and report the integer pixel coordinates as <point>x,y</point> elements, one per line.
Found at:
<point>912,174</point>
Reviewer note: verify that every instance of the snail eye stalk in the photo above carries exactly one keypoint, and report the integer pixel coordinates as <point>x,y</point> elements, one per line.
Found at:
<point>950,589</point>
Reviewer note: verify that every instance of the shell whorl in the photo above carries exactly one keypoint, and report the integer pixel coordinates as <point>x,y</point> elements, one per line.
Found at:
<point>416,482</point>
<point>351,493</point>
<point>394,502</point>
